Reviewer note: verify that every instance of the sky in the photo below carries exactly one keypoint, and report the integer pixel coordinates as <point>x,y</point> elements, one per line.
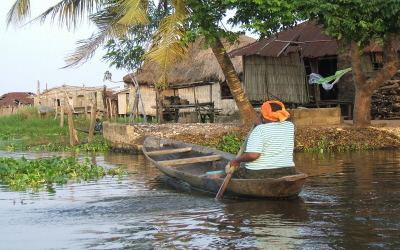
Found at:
<point>37,52</point>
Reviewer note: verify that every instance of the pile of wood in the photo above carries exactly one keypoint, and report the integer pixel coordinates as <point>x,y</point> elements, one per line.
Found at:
<point>385,103</point>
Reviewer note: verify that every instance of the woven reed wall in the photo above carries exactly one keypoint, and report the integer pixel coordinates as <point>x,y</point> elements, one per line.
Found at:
<point>282,78</point>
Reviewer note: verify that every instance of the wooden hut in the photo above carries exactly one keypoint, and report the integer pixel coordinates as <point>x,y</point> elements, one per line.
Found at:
<point>79,98</point>
<point>279,67</point>
<point>197,80</point>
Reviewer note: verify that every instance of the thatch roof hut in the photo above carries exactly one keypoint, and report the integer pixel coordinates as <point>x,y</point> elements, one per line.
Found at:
<point>201,67</point>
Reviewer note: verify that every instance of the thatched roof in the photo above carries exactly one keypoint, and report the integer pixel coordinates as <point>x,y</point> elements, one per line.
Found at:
<point>201,66</point>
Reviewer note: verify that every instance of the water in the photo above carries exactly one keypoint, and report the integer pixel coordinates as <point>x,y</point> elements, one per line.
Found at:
<point>350,201</point>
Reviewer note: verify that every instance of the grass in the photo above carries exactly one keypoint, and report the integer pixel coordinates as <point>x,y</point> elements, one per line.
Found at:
<point>28,123</point>
<point>23,174</point>
<point>41,130</point>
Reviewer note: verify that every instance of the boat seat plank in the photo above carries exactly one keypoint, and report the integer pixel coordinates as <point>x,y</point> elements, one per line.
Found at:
<point>169,151</point>
<point>191,160</point>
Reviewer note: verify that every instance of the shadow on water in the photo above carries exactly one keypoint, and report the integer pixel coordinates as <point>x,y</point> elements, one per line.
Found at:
<point>350,201</point>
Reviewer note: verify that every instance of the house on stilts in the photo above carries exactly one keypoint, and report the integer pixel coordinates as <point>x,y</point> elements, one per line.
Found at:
<point>197,89</point>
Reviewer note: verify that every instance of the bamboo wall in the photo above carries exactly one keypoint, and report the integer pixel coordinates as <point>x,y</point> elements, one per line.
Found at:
<point>275,78</point>
<point>149,100</point>
<point>9,110</point>
<point>123,103</point>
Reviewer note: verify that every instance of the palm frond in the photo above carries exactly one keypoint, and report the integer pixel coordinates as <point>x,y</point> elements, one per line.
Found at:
<point>70,13</point>
<point>18,12</point>
<point>168,47</point>
<point>134,12</point>
<point>108,28</point>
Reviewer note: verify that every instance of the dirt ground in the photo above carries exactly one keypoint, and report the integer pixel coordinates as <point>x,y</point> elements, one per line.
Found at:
<point>381,135</point>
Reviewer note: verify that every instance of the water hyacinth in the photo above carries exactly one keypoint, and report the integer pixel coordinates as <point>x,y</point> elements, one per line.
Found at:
<point>21,174</point>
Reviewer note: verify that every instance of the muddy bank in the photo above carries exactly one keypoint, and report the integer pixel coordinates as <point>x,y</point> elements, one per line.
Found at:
<point>336,138</point>
<point>382,135</point>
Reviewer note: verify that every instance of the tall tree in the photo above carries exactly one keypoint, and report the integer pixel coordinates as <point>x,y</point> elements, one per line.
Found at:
<point>115,18</point>
<point>353,22</point>
<point>205,19</point>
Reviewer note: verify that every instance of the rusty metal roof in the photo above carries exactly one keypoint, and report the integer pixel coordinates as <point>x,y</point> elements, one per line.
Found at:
<point>16,98</point>
<point>306,37</point>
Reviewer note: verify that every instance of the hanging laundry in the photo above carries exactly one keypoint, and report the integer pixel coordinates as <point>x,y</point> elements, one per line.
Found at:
<point>316,78</point>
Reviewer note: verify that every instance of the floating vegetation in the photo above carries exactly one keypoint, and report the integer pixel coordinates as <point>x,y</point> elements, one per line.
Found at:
<point>22,174</point>
<point>95,146</point>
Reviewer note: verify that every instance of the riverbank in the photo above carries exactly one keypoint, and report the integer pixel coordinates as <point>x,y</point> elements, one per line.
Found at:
<point>381,135</point>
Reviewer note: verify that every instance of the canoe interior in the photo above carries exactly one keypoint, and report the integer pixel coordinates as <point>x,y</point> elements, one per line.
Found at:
<point>199,168</point>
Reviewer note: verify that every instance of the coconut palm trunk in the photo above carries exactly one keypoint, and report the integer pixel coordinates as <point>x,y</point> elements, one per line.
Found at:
<point>245,108</point>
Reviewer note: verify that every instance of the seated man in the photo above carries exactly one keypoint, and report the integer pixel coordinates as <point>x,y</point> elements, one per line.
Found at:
<point>269,150</point>
<point>98,126</point>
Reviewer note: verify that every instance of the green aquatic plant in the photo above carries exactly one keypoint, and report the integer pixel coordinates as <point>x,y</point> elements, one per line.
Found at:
<point>95,146</point>
<point>22,174</point>
<point>229,143</point>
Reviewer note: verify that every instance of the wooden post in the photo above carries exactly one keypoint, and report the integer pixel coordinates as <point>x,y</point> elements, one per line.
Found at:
<point>104,98</point>
<point>61,116</point>
<point>73,138</point>
<point>92,116</point>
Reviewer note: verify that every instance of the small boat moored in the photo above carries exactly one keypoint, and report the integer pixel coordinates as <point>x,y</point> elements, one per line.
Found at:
<point>190,163</point>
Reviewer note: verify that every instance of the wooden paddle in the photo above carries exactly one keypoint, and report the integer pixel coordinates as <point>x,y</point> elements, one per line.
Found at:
<point>232,169</point>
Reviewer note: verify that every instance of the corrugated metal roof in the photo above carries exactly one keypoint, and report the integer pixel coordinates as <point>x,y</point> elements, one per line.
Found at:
<point>306,36</point>
<point>16,98</point>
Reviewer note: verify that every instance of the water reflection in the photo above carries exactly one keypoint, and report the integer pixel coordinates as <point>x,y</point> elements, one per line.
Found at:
<point>350,201</point>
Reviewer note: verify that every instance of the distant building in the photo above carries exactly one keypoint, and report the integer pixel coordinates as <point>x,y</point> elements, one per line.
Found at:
<point>16,99</point>
<point>79,98</point>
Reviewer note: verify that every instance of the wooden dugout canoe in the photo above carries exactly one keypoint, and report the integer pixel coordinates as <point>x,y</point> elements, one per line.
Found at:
<point>189,163</point>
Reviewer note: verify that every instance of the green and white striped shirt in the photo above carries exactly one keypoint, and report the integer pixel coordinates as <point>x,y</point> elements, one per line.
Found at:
<point>275,142</point>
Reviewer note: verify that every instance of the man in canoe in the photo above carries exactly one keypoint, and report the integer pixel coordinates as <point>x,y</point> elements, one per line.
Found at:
<point>269,150</point>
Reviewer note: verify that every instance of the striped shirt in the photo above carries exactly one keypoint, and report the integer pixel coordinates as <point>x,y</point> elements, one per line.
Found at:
<point>275,142</point>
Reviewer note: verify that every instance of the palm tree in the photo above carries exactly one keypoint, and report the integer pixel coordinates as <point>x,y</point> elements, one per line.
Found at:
<point>114,18</point>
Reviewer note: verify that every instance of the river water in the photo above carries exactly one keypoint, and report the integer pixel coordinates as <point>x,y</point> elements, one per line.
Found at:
<point>350,201</point>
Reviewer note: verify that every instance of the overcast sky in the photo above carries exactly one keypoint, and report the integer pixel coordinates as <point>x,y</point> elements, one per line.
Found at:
<point>36,53</point>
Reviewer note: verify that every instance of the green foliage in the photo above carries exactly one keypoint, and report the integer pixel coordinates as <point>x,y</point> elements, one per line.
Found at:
<point>22,174</point>
<point>352,20</point>
<point>126,52</point>
<point>229,143</point>
<point>94,146</point>
<point>329,146</point>
<point>265,17</point>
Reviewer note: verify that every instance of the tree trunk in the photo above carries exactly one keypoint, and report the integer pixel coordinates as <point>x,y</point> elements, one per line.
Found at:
<point>159,104</point>
<point>132,107</point>
<point>362,108</point>
<point>346,83</point>
<point>245,108</point>
<point>365,87</point>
